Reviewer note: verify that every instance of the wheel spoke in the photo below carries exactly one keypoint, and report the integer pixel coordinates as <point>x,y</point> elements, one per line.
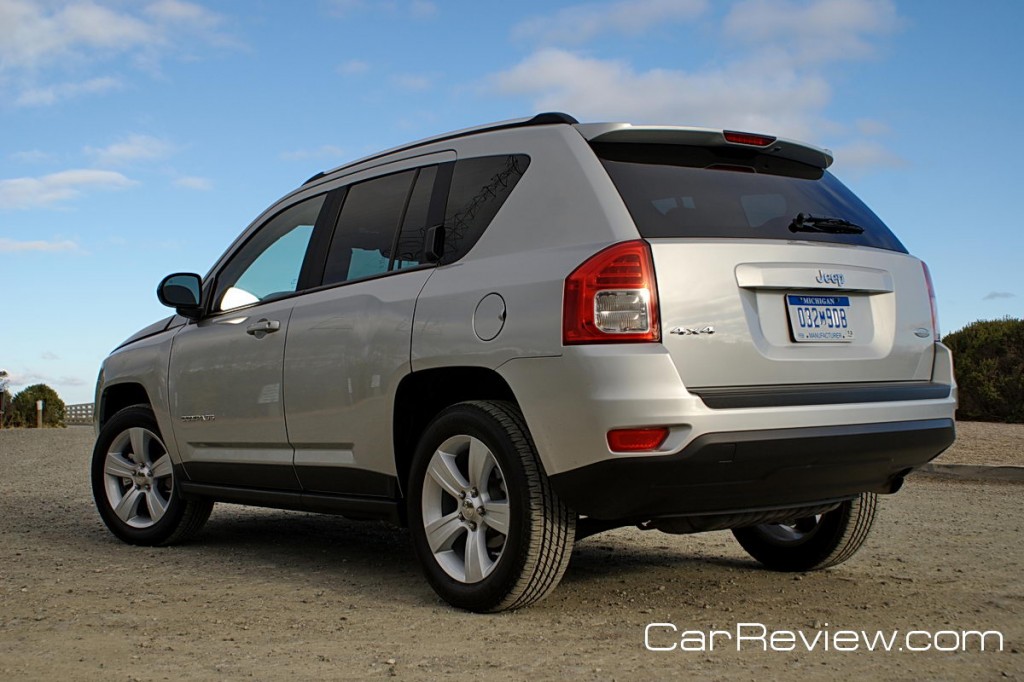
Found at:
<point>481,461</point>
<point>442,532</point>
<point>156,504</point>
<point>162,467</point>
<point>140,441</point>
<point>478,562</point>
<point>446,474</point>
<point>497,516</point>
<point>128,507</point>
<point>116,465</point>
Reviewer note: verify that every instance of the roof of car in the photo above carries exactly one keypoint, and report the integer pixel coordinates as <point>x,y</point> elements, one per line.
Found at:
<point>614,132</point>
<point>547,118</point>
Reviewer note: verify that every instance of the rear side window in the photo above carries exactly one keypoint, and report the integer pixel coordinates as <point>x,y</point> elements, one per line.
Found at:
<point>409,247</point>
<point>382,226</point>
<point>679,191</point>
<point>479,188</point>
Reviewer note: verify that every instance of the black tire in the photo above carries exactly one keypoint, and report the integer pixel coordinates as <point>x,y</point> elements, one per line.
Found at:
<point>489,442</point>
<point>133,483</point>
<point>815,542</point>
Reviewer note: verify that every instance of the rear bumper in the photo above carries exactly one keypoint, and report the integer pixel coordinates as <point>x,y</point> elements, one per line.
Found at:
<point>750,470</point>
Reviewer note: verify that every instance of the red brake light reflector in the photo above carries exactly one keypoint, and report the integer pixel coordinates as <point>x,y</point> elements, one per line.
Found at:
<point>752,139</point>
<point>636,440</point>
<point>612,297</point>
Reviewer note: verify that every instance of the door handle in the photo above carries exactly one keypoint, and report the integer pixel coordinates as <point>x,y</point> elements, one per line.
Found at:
<point>262,328</point>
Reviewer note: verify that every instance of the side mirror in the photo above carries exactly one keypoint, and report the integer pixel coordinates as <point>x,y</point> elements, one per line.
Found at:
<point>433,243</point>
<point>182,291</point>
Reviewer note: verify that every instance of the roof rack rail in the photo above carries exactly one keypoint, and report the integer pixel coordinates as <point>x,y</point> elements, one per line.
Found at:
<point>546,118</point>
<point>315,177</point>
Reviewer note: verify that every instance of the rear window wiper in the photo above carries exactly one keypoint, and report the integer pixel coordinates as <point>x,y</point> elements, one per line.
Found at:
<point>810,223</point>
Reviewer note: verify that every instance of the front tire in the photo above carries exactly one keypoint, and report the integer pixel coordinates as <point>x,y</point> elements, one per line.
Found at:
<point>488,529</point>
<point>133,483</point>
<point>814,542</point>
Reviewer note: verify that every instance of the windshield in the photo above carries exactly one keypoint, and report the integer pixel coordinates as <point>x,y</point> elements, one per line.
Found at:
<point>681,191</point>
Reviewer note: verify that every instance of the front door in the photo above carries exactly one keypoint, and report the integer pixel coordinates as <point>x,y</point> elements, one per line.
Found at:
<point>226,371</point>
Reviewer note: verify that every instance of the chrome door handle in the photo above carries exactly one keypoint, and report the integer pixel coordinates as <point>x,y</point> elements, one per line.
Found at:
<point>262,328</point>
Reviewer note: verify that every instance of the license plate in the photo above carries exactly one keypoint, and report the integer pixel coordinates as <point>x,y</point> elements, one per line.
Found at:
<point>820,318</point>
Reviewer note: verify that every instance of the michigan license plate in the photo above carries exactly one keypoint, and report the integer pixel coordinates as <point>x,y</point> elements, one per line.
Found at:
<point>820,318</point>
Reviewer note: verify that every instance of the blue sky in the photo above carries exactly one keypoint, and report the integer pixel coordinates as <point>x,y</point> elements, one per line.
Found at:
<point>138,138</point>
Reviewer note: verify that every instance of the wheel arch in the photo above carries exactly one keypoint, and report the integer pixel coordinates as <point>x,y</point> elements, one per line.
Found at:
<point>116,397</point>
<point>422,395</point>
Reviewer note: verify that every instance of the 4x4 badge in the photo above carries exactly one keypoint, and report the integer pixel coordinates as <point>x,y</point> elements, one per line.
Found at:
<point>692,331</point>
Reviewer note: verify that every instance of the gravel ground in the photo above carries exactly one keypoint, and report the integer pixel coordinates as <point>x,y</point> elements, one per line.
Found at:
<point>264,594</point>
<point>985,443</point>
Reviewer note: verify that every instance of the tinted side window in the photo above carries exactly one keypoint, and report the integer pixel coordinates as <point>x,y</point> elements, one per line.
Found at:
<point>409,247</point>
<point>479,188</point>
<point>269,264</point>
<point>365,234</point>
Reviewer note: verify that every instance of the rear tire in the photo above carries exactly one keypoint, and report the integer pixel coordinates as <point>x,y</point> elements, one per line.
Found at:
<point>488,529</point>
<point>133,483</point>
<point>815,542</point>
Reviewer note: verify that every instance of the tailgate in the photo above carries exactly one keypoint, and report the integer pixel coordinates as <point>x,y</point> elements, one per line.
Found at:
<point>759,313</point>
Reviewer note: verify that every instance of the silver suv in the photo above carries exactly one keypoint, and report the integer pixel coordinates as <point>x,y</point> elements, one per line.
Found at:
<point>514,336</point>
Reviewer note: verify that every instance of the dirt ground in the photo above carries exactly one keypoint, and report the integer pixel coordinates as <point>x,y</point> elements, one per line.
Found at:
<point>985,443</point>
<point>267,595</point>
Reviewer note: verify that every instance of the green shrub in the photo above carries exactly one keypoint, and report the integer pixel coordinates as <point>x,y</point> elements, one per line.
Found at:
<point>988,356</point>
<point>23,407</point>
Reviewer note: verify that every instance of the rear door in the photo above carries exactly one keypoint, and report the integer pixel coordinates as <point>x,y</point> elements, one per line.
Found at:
<point>770,271</point>
<point>349,341</point>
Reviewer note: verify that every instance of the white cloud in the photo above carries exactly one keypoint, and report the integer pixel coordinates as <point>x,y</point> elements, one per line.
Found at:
<point>867,154</point>
<point>413,82</point>
<point>353,67</point>
<point>871,127</point>
<point>737,96</point>
<point>416,9</point>
<point>773,77</point>
<point>52,94</point>
<point>132,148</point>
<point>422,9</point>
<point>578,24</point>
<point>194,182</point>
<point>50,189</point>
<point>812,32</point>
<point>14,246</point>
<point>49,355</point>
<point>30,378</point>
<point>31,156</point>
<point>341,8</point>
<point>41,37</point>
<point>39,33</point>
<point>176,11</point>
<point>997,295</point>
<point>327,151</point>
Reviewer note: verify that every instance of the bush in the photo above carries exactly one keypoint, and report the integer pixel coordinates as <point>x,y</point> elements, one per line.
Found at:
<point>22,410</point>
<point>989,359</point>
<point>5,408</point>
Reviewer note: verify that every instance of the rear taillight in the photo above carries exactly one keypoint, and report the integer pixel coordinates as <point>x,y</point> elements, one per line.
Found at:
<point>612,297</point>
<point>931,300</point>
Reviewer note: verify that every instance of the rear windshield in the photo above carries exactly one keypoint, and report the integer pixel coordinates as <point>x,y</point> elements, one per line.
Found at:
<point>681,191</point>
